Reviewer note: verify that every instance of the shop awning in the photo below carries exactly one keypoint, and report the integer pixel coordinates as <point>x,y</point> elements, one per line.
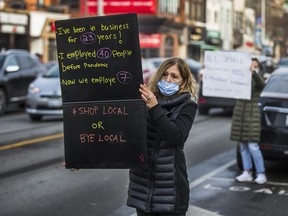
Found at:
<point>203,45</point>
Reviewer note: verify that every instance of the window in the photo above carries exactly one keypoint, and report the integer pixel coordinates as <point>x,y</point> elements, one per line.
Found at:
<point>195,8</point>
<point>169,6</point>
<point>12,61</point>
<point>25,61</point>
<point>2,58</point>
<point>277,84</point>
<point>72,4</point>
<point>239,21</point>
<point>169,46</point>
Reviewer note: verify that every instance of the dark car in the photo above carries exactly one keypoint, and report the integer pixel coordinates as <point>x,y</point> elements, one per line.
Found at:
<point>273,104</point>
<point>283,62</point>
<point>205,103</point>
<point>18,68</point>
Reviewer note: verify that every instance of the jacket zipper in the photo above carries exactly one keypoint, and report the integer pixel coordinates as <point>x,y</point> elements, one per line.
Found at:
<point>152,175</point>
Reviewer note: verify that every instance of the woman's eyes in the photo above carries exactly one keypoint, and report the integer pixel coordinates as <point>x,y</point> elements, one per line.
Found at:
<point>172,75</point>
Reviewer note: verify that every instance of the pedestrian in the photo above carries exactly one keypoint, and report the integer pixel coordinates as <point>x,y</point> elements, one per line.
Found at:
<point>162,188</point>
<point>246,129</point>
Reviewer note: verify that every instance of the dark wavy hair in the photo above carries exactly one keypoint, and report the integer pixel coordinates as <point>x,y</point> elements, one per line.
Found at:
<point>259,65</point>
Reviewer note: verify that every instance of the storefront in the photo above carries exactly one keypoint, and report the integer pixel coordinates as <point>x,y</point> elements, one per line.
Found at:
<point>43,37</point>
<point>159,35</point>
<point>14,30</point>
<point>199,40</point>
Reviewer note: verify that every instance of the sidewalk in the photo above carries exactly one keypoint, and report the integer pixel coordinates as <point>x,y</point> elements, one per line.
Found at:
<point>196,211</point>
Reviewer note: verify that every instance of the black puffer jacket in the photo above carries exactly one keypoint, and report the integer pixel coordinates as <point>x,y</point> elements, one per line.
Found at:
<point>163,187</point>
<point>246,122</point>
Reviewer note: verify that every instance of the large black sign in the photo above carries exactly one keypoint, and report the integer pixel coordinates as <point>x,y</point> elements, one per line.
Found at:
<point>100,73</point>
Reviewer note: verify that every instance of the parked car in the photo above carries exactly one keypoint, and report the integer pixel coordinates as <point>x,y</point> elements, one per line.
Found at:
<point>273,104</point>
<point>283,62</point>
<point>50,64</point>
<point>18,68</point>
<point>205,103</point>
<point>44,95</point>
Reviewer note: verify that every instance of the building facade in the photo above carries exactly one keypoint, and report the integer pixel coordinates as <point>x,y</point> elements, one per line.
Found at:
<point>184,28</point>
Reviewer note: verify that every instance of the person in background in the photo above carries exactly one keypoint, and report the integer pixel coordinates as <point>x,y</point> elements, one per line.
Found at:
<point>40,57</point>
<point>246,129</point>
<point>162,189</point>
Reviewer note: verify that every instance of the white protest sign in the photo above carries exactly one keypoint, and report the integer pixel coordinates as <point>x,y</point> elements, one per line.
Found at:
<point>227,74</point>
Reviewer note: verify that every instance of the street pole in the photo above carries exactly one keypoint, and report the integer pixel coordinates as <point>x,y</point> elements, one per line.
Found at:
<point>263,18</point>
<point>100,8</point>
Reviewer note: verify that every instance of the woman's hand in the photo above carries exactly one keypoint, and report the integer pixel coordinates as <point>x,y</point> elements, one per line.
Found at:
<point>147,96</point>
<point>254,67</point>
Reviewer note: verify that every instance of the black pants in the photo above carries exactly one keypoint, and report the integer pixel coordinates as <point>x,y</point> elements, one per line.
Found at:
<point>141,213</point>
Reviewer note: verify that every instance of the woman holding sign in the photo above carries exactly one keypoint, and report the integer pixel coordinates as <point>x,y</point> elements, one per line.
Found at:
<point>246,127</point>
<point>163,188</point>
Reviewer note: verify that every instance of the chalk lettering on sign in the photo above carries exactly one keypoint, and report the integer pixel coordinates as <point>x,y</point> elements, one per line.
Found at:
<point>88,38</point>
<point>88,110</point>
<point>106,37</point>
<point>74,112</point>
<point>122,53</point>
<point>124,77</point>
<point>104,53</point>
<point>115,27</point>
<point>79,54</point>
<point>69,67</point>
<point>62,31</point>
<point>68,82</point>
<point>60,55</point>
<point>90,138</point>
<point>83,81</point>
<point>79,29</point>
<point>141,157</point>
<point>111,138</point>
<point>120,35</point>
<point>72,40</point>
<point>103,80</point>
<point>97,125</point>
<point>92,28</point>
<point>114,110</point>
<point>95,65</point>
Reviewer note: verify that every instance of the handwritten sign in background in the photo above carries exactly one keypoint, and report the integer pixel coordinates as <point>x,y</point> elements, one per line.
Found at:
<point>100,73</point>
<point>227,74</point>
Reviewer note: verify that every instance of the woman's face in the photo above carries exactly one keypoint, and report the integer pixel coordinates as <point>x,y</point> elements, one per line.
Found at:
<point>255,66</point>
<point>172,74</point>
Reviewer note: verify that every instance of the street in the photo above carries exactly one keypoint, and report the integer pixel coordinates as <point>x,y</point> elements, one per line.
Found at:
<point>34,181</point>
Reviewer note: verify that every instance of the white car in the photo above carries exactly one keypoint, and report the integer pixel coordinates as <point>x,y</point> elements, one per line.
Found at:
<point>44,95</point>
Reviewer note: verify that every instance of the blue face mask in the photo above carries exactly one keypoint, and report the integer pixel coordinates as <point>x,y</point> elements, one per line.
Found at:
<point>167,88</point>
